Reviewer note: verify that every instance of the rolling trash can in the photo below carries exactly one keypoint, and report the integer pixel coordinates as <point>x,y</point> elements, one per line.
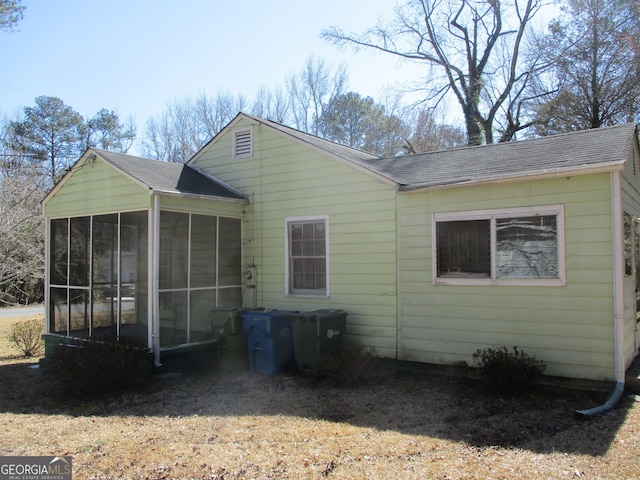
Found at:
<point>269,340</point>
<point>317,334</point>
<point>226,325</point>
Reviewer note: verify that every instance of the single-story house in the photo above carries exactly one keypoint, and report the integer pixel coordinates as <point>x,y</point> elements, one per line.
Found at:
<point>532,243</point>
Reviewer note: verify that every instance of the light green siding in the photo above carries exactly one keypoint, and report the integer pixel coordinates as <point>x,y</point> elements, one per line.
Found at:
<point>284,179</point>
<point>631,205</point>
<point>201,206</point>
<point>568,327</point>
<point>96,187</point>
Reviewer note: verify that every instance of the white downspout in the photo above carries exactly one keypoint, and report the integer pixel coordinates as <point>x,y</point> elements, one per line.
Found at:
<point>47,280</point>
<point>618,300</point>
<point>154,257</point>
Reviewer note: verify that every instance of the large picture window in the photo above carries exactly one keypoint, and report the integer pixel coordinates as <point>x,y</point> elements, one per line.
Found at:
<point>510,246</point>
<point>307,256</point>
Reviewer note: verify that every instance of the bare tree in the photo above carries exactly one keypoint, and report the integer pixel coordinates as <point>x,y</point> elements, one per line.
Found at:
<point>429,135</point>
<point>595,80</point>
<point>459,41</point>
<point>215,112</point>
<point>311,90</point>
<point>22,186</point>
<point>186,125</point>
<point>272,105</point>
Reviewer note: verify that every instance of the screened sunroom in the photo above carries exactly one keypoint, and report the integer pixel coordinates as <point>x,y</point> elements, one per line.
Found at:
<point>150,275</point>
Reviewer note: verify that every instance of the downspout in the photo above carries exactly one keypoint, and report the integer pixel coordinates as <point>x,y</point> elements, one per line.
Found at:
<point>47,259</point>
<point>155,280</point>
<point>618,301</point>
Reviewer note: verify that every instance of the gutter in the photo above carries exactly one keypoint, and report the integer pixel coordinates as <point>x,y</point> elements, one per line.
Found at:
<point>618,302</point>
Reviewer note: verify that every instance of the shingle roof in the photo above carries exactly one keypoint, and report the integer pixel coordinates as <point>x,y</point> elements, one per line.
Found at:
<point>164,177</point>
<point>588,149</point>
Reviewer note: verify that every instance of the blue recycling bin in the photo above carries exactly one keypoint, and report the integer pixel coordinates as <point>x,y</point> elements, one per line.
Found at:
<point>270,340</point>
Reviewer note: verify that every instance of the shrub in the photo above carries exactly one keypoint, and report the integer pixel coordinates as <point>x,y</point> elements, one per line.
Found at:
<point>507,370</point>
<point>26,336</point>
<point>350,364</point>
<point>92,367</point>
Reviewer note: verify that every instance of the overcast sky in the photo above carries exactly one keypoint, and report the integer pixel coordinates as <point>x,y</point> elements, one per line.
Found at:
<point>133,56</point>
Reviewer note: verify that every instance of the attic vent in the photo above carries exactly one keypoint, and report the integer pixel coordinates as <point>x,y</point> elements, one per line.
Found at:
<point>243,143</point>
<point>635,164</point>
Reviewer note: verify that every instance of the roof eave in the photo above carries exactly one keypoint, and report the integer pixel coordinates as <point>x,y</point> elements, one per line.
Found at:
<point>535,175</point>
<point>198,196</point>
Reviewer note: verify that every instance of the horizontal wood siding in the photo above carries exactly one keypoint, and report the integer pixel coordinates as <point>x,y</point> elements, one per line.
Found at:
<point>205,207</point>
<point>288,179</point>
<point>570,328</point>
<point>97,187</point>
<point>631,205</point>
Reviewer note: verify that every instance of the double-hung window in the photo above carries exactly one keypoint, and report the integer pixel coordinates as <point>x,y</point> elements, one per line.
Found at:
<point>307,256</point>
<point>516,246</point>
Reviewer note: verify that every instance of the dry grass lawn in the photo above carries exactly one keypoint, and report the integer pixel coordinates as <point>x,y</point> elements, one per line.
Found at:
<point>206,424</point>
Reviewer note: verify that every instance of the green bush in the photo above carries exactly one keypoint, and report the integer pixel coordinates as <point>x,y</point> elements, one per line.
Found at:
<point>507,370</point>
<point>92,367</point>
<point>26,336</point>
<point>350,364</point>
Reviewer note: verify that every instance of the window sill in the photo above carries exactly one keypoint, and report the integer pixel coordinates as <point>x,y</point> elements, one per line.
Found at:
<point>307,295</point>
<point>512,282</point>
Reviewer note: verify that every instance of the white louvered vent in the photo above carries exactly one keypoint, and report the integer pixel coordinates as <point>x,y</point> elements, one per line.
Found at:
<point>243,143</point>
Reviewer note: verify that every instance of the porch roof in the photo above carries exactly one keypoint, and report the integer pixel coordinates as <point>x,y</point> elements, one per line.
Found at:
<point>168,178</point>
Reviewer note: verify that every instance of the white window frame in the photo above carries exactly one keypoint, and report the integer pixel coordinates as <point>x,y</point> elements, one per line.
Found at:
<point>287,249</point>
<point>240,132</point>
<point>492,216</point>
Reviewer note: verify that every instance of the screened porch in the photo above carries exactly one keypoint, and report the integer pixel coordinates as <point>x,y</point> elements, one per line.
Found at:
<point>151,279</point>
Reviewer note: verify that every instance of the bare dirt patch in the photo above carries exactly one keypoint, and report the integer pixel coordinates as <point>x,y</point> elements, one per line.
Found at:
<point>207,424</point>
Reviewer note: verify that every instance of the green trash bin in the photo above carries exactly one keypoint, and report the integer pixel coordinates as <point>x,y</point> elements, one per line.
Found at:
<point>226,325</point>
<point>315,335</point>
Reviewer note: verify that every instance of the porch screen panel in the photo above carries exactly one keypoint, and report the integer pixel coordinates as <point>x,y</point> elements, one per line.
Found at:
<point>173,318</point>
<point>58,274</point>
<point>134,283</point>
<point>230,297</point>
<point>79,312</point>
<point>174,250</point>
<point>230,252</point>
<point>59,244</point>
<point>80,228</point>
<point>105,275</point>
<point>203,251</point>
<point>202,301</point>
<point>58,311</point>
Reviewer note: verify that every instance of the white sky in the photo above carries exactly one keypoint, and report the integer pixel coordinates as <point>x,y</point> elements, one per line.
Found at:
<point>133,56</point>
